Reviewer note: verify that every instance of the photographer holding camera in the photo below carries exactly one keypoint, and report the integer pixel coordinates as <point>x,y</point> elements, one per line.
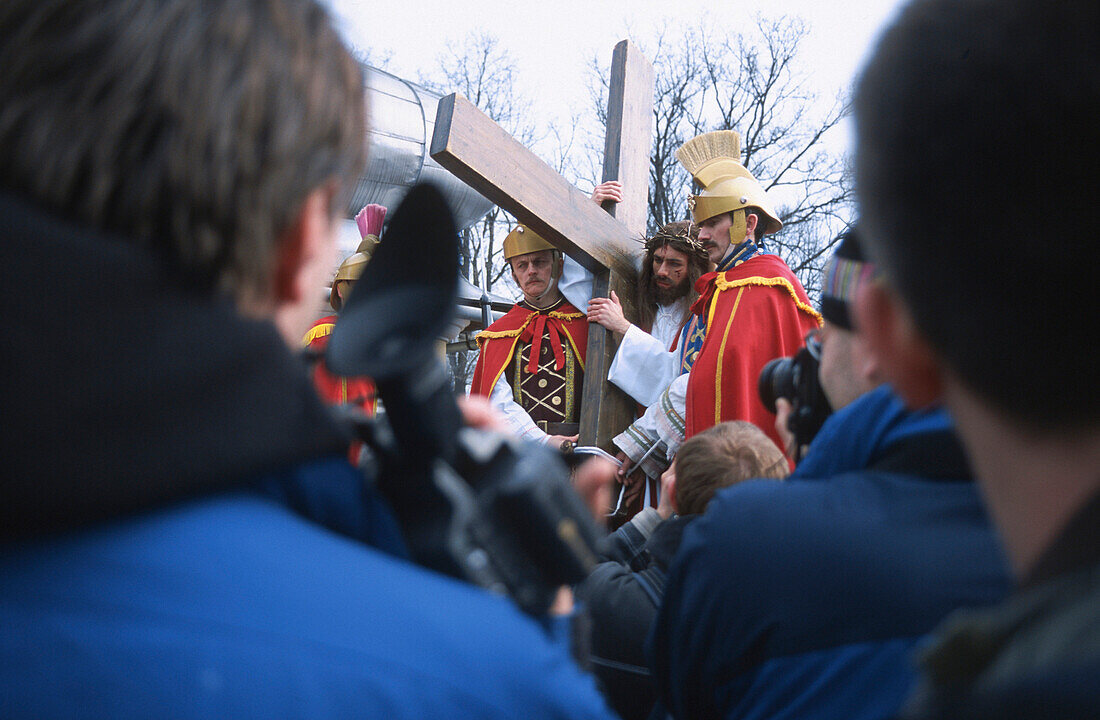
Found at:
<point>182,534</point>
<point>833,369</point>
<point>837,572</point>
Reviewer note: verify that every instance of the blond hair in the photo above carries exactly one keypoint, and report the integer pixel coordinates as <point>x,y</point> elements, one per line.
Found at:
<point>721,456</point>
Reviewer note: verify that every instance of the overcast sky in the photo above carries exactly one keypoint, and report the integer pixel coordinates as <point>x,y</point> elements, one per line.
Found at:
<point>552,41</point>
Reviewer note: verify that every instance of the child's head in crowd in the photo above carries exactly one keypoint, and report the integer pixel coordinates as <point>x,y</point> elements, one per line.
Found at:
<point>722,456</point>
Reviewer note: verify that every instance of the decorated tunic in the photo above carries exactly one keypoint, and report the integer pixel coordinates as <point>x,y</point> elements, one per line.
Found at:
<point>531,366</point>
<point>333,389</point>
<point>754,312</point>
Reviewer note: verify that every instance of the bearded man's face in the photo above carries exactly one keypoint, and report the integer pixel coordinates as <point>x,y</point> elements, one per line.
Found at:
<point>669,281</point>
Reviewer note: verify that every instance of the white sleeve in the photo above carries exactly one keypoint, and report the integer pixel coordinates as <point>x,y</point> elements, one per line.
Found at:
<point>517,419</point>
<point>643,366</point>
<point>647,423</point>
<point>575,284</point>
<point>669,421</point>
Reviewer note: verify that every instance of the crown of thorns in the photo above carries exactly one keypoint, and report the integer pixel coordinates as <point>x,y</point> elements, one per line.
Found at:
<point>681,238</point>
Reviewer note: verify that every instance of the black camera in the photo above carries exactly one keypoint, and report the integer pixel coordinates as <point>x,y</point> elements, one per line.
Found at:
<point>473,504</point>
<point>796,379</point>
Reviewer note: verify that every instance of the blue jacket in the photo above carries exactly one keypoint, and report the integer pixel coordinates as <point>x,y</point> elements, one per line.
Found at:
<point>181,537</point>
<point>805,598</point>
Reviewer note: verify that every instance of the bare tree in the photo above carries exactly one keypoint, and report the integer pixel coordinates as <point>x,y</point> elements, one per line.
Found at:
<point>484,72</point>
<point>749,82</point>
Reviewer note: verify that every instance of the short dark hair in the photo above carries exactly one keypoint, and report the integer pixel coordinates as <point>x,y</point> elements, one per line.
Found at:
<point>720,456</point>
<point>970,115</point>
<point>193,127</point>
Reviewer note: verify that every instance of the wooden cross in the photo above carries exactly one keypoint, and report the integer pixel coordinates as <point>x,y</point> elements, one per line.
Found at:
<point>482,154</point>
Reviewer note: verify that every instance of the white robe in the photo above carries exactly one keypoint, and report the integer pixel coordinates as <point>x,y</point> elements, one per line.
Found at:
<point>644,365</point>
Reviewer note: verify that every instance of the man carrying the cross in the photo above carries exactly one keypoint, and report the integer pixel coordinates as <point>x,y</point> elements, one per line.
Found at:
<point>531,365</point>
<point>646,361</point>
<point>751,309</point>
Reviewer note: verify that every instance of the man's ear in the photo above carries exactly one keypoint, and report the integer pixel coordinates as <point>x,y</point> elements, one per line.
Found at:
<point>306,248</point>
<point>751,221</point>
<point>903,356</point>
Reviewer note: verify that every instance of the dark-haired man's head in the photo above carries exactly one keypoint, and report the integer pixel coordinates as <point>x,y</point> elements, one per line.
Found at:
<point>669,280</point>
<point>674,260</point>
<point>970,114</point>
<point>221,134</point>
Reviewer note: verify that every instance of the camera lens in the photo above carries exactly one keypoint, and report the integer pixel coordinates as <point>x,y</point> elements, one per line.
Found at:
<point>777,380</point>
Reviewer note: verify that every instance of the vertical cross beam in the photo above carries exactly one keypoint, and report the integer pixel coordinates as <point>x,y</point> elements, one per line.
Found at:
<point>483,155</point>
<point>606,410</point>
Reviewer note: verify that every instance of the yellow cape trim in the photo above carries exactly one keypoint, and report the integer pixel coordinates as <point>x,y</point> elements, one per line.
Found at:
<point>511,354</point>
<point>318,332</point>
<point>722,284</point>
<point>490,334</point>
<point>486,335</point>
<point>721,354</point>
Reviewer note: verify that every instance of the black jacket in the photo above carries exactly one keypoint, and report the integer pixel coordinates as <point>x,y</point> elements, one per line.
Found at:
<point>621,596</point>
<point>125,390</point>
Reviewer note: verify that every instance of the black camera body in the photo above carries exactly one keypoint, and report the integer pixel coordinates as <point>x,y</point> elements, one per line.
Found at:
<point>473,504</point>
<point>796,379</point>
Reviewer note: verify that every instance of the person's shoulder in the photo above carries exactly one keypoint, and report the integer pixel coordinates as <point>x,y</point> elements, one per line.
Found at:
<point>763,264</point>
<point>509,321</point>
<point>320,330</point>
<point>754,527</point>
<point>1047,641</point>
<point>771,501</point>
<point>763,275</point>
<point>297,607</point>
<point>567,308</point>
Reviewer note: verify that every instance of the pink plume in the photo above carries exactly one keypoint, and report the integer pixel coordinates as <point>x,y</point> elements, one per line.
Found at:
<point>370,220</point>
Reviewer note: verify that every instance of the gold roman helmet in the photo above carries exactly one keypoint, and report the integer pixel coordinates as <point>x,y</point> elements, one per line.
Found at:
<point>351,269</point>
<point>369,221</point>
<point>711,156</point>
<point>523,240</point>
<point>713,159</point>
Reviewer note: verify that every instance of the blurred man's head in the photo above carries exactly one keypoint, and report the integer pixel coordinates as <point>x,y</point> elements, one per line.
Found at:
<point>219,134</point>
<point>848,369</point>
<point>969,113</point>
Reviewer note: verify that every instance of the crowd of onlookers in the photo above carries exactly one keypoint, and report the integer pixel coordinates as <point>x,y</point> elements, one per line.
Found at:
<point>184,536</point>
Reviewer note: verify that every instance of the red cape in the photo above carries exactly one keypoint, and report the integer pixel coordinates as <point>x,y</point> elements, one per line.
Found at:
<point>334,389</point>
<point>498,341</point>
<point>755,312</point>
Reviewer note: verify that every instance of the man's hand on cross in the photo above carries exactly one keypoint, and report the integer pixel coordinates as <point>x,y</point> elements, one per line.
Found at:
<point>628,473</point>
<point>609,313</point>
<point>610,190</point>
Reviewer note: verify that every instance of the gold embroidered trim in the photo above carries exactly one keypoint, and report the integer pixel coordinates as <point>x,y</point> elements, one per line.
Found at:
<point>318,332</point>
<point>721,354</point>
<point>722,284</point>
<point>519,371</point>
<point>491,334</point>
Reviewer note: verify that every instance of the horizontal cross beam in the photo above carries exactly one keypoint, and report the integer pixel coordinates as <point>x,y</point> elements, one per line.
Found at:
<point>469,144</point>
